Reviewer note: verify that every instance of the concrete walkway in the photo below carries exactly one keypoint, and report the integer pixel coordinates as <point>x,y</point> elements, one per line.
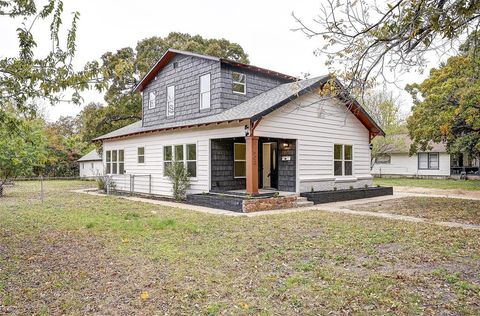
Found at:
<point>336,207</point>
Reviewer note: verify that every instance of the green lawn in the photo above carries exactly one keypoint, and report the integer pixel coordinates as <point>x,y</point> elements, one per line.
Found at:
<point>430,183</point>
<point>80,254</point>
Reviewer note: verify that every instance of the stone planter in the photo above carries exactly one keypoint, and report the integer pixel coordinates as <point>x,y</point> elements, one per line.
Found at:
<point>320,197</point>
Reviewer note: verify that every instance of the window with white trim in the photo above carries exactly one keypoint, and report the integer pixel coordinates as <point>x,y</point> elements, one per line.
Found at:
<point>170,100</point>
<point>151,99</point>
<point>186,153</point>
<point>121,162</point>
<point>115,160</point>
<point>428,161</point>
<point>342,160</point>
<point>191,159</point>
<point>141,154</point>
<point>167,158</point>
<point>205,92</point>
<point>239,83</point>
<point>239,160</point>
<point>383,159</point>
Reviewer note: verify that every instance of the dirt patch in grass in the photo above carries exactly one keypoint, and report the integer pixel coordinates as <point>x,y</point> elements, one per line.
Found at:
<point>436,209</point>
<point>80,254</point>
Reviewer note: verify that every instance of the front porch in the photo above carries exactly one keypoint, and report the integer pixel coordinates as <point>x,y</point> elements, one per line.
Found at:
<point>253,165</point>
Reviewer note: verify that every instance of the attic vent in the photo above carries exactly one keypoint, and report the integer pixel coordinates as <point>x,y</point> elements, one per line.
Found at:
<point>175,65</point>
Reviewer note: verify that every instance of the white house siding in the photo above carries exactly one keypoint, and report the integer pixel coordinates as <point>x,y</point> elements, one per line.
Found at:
<point>317,124</point>
<point>90,169</point>
<point>403,164</point>
<point>153,165</point>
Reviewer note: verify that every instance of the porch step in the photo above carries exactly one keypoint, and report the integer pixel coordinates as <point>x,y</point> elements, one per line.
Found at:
<point>303,202</point>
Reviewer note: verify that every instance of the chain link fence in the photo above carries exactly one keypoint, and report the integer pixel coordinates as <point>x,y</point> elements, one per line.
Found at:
<point>41,189</point>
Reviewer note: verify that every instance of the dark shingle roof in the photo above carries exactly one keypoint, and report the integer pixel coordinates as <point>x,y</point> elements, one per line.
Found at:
<point>253,108</point>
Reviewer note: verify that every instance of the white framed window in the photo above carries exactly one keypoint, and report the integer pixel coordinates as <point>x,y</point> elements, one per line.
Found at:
<point>167,158</point>
<point>108,159</point>
<point>121,161</point>
<point>428,161</point>
<point>191,159</point>
<point>239,83</point>
<point>141,154</point>
<point>91,165</point>
<point>186,153</point>
<point>383,159</point>
<point>170,100</point>
<point>239,160</point>
<point>115,161</point>
<point>205,91</point>
<point>342,160</point>
<point>151,99</point>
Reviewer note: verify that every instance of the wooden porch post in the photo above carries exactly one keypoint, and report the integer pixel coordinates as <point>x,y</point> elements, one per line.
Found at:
<point>252,164</point>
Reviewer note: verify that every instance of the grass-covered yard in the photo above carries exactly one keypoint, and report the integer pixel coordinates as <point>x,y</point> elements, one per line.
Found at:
<point>430,183</point>
<point>78,254</point>
<point>436,209</point>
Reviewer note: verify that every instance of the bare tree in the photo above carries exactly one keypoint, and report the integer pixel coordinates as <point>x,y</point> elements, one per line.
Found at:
<point>367,41</point>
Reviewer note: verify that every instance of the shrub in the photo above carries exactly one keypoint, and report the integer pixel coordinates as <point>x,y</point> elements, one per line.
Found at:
<point>178,175</point>
<point>101,183</point>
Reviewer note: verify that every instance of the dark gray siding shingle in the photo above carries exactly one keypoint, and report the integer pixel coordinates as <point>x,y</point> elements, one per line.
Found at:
<point>185,77</point>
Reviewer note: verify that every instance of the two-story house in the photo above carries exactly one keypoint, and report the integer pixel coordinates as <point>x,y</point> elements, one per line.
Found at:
<point>239,127</point>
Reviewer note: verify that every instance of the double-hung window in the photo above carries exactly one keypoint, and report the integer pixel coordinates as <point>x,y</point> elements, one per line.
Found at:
<point>167,158</point>
<point>205,92</point>
<point>186,154</point>
<point>151,100</point>
<point>239,83</point>
<point>342,160</point>
<point>428,161</point>
<point>121,162</point>
<point>239,160</point>
<point>115,160</point>
<point>170,100</point>
<point>192,160</point>
<point>141,154</point>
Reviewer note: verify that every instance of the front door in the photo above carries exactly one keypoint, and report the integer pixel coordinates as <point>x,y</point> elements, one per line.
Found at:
<point>269,165</point>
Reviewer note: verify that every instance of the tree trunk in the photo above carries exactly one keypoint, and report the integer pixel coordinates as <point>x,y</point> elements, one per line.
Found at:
<point>1,188</point>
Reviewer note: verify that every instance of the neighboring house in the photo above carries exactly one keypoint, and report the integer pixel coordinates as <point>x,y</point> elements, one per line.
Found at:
<point>239,127</point>
<point>90,165</point>
<point>435,162</point>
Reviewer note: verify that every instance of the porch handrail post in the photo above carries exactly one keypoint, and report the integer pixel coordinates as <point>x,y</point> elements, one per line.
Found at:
<point>252,164</point>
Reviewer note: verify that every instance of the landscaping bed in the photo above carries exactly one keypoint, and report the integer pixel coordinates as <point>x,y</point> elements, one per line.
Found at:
<point>238,202</point>
<point>319,197</point>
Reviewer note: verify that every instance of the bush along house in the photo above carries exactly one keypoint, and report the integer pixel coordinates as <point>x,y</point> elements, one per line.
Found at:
<point>242,132</point>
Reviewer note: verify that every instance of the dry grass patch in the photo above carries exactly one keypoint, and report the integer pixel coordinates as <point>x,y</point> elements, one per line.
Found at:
<point>436,209</point>
<point>81,254</point>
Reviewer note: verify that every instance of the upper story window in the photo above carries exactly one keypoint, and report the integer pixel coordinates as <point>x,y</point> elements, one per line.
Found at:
<point>151,100</point>
<point>205,92</point>
<point>428,161</point>
<point>239,83</point>
<point>171,101</point>
<point>342,160</point>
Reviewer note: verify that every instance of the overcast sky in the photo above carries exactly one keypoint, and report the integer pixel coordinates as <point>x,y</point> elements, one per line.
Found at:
<point>262,28</point>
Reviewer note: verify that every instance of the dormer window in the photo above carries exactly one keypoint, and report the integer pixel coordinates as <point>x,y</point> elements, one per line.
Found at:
<point>205,92</point>
<point>171,101</point>
<point>151,100</point>
<point>239,83</point>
